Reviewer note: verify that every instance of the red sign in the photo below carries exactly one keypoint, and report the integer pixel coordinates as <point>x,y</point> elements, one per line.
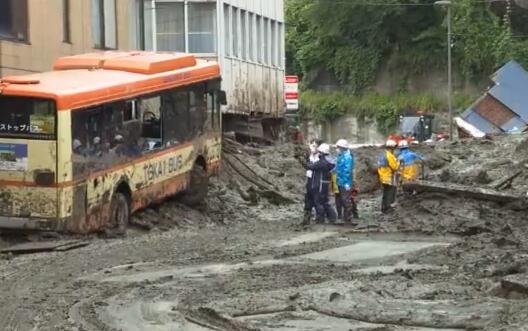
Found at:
<point>291,92</point>
<point>291,95</point>
<point>291,79</point>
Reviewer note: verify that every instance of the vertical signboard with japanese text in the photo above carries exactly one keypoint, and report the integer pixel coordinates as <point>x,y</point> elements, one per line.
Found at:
<point>291,92</point>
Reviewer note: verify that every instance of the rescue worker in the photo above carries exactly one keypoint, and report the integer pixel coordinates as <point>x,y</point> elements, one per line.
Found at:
<point>337,197</point>
<point>408,163</point>
<point>343,170</point>
<point>335,191</point>
<point>321,176</point>
<point>309,201</point>
<point>387,173</point>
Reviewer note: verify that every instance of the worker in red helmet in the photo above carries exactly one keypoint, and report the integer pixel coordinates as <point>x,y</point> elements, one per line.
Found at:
<point>387,173</point>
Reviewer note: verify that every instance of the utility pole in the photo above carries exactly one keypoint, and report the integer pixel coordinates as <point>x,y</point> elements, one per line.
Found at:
<point>447,3</point>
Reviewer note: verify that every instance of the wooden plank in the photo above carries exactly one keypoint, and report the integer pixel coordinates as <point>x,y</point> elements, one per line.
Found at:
<point>477,193</point>
<point>43,246</point>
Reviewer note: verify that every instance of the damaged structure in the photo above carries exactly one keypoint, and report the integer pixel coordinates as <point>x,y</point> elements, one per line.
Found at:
<point>503,108</point>
<point>246,37</point>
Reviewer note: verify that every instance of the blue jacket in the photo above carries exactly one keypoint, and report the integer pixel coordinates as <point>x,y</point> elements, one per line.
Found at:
<point>343,169</point>
<point>408,157</point>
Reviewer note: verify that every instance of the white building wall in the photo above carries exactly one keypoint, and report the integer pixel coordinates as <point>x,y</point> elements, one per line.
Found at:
<point>253,67</point>
<point>251,58</point>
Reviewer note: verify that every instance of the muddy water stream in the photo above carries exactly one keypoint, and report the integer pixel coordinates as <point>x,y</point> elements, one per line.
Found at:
<point>359,252</point>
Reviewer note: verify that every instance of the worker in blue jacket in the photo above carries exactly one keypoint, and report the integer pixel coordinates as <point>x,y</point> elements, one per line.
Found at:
<point>408,163</point>
<point>344,169</point>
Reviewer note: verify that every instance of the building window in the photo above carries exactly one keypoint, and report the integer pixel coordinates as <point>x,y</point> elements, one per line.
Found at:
<point>266,41</point>
<point>170,26</point>
<point>273,43</point>
<point>227,30</point>
<point>66,37</point>
<point>251,32</point>
<point>234,31</point>
<point>202,27</point>
<point>243,34</point>
<point>140,25</point>
<point>280,55</point>
<point>260,57</point>
<point>13,19</point>
<point>104,24</point>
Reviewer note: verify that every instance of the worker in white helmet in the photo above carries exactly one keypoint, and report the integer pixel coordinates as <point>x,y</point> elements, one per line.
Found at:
<point>387,173</point>
<point>343,170</point>
<point>320,185</point>
<point>309,198</point>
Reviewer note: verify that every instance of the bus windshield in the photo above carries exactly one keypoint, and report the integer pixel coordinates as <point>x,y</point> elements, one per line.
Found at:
<point>30,118</point>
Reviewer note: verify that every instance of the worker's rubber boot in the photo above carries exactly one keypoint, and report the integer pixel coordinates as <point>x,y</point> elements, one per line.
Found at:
<point>307,218</point>
<point>319,220</point>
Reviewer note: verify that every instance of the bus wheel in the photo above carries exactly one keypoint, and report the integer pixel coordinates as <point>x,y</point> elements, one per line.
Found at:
<point>119,214</point>
<point>198,187</point>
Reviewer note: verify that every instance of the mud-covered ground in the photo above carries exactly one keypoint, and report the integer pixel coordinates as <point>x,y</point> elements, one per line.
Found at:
<point>241,262</point>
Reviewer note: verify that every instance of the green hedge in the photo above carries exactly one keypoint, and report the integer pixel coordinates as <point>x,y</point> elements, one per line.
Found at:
<point>325,106</point>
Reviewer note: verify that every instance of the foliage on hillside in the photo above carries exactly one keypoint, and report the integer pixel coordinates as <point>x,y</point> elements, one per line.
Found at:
<point>331,105</point>
<point>353,38</point>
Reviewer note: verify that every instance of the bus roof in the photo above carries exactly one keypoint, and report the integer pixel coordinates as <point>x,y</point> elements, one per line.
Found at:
<point>89,79</point>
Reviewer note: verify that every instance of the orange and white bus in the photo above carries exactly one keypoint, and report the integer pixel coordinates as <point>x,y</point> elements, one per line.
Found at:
<point>105,134</point>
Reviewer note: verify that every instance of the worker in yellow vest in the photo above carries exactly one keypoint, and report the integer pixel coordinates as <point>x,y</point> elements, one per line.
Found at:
<point>408,163</point>
<point>388,176</point>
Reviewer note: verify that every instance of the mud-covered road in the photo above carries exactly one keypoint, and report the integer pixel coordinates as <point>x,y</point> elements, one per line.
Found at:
<point>242,263</point>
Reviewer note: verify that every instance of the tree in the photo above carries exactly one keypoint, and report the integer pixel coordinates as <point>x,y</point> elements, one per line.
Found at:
<point>354,39</point>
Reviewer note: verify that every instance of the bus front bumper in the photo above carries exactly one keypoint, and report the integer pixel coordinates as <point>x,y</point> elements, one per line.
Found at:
<point>26,223</point>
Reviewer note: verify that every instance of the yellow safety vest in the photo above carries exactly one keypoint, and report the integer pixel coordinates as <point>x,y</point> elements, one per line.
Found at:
<point>387,168</point>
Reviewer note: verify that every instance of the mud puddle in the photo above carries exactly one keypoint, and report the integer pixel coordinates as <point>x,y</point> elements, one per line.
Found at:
<point>193,272</point>
<point>402,265</point>
<point>370,250</point>
<point>306,238</point>
<point>139,316</point>
<point>312,321</point>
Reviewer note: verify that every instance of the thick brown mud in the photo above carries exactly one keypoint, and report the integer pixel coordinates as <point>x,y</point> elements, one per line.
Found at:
<point>242,262</point>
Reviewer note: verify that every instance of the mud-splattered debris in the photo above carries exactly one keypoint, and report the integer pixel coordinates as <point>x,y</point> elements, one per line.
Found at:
<point>295,296</point>
<point>35,247</point>
<point>516,283</point>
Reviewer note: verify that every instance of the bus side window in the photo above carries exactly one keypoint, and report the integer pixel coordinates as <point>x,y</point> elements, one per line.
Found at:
<point>176,117</point>
<point>149,112</point>
<point>87,140</point>
<point>197,109</point>
<point>218,111</point>
<point>210,121</point>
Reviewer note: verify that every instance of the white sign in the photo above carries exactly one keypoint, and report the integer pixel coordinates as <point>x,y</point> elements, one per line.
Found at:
<point>291,92</point>
<point>292,104</point>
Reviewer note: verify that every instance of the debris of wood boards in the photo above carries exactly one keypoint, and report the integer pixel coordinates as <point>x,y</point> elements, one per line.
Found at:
<point>262,186</point>
<point>476,193</point>
<point>516,282</point>
<point>44,246</point>
<point>507,182</point>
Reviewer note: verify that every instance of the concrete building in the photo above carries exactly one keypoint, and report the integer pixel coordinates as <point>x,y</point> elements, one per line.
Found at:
<point>33,33</point>
<point>245,36</point>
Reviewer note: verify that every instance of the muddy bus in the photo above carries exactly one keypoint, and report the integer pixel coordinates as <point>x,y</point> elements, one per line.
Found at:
<point>104,135</point>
